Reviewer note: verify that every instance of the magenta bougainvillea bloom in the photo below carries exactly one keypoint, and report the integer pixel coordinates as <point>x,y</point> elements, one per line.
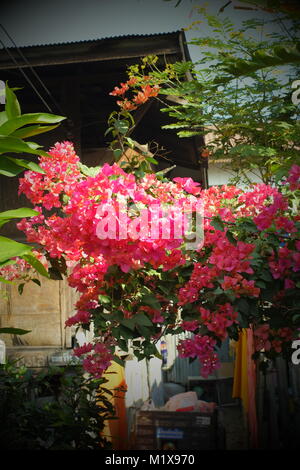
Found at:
<point>139,283</point>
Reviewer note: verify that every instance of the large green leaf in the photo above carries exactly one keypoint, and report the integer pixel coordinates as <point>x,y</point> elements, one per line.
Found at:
<point>7,216</point>
<point>3,117</point>
<point>14,331</point>
<point>151,300</point>
<point>7,262</point>
<point>3,222</point>
<point>89,171</point>
<point>16,145</point>
<point>36,264</point>
<point>29,131</point>
<point>18,213</point>
<point>9,168</point>
<point>26,164</point>
<point>122,126</point>
<point>12,106</point>
<point>5,281</point>
<point>35,118</point>
<point>129,323</point>
<point>10,248</point>
<point>142,319</point>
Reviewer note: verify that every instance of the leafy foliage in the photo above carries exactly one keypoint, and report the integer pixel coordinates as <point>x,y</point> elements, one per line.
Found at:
<point>239,98</point>
<point>14,128</point>
<point>56,409</point>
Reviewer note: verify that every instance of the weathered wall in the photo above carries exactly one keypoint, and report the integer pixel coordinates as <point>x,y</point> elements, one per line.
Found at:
<point>42,310</point>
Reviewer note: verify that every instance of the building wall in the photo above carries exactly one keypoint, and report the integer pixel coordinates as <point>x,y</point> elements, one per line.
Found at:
<point>217,175</point>
<point>41,310</point>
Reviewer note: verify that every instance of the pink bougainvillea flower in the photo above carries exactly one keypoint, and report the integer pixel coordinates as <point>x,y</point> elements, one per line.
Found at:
<point>84,349</point>
<point>293,178</point>
<point>73,236</point>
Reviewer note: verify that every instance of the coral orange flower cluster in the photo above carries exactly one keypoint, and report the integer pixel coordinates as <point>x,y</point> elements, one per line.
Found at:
<point>139,96</point>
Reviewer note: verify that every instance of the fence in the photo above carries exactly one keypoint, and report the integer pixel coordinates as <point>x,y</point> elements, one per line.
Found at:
<point>278,406</point>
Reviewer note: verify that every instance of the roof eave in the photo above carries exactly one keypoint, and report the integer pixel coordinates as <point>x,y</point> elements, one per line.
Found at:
<point>115,48</point>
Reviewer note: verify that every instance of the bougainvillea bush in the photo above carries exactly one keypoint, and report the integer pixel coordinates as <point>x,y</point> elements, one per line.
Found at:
<point>244,274</point>
<point>136,284</point>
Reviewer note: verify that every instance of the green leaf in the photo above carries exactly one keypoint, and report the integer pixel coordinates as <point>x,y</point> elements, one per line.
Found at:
<point>3,117</point>
<point>5,281</point>
<point>36,264</point>
<point>164,289</point>
<point>261,284</point>
<point>8,262</point>
<point>144,331</point>
<point>129,323</point>
<point>104,299</point>
<point>243,306</point>
<point>158,355</point>
<point>233,333</point>
<point>12,106</point>
<point>121,126</point>
<point>108,131</point>
<point>118,361</point>
<point>123,345</point>
<point>25,164</point>
<point>151,160</point>
<point>15,145</point>
<point>181,68</point>
<point>126,333</point>
<point>21,288</point>
<point>130,142</point>
<point>151,300</point>
<point>14,331</point>
<point>276,56</point>
<point>89,171</point>
<point>249,226</point>
<point>217,223</point>
<point>118,153</point>
<point>3,222</point>
<point>10,249</point>
<point>149,348</point>
<point>142,319</point>
<point>36,281</point>
<point>6,216</point>
<point>247,151</point>
<point>22,212</point>
<point>30,131</point>
<point>35,118</point>
<point>231,238</point>
<point>9,168</point>
<point>218,291</point>
<point>188,133</point>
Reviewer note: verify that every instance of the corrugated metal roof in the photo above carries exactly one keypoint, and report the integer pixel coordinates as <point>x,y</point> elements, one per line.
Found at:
<point>104,38</point>
<point>103,49</point>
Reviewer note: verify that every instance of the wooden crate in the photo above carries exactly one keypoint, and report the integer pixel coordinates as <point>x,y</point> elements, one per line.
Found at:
<point>168,430</point>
